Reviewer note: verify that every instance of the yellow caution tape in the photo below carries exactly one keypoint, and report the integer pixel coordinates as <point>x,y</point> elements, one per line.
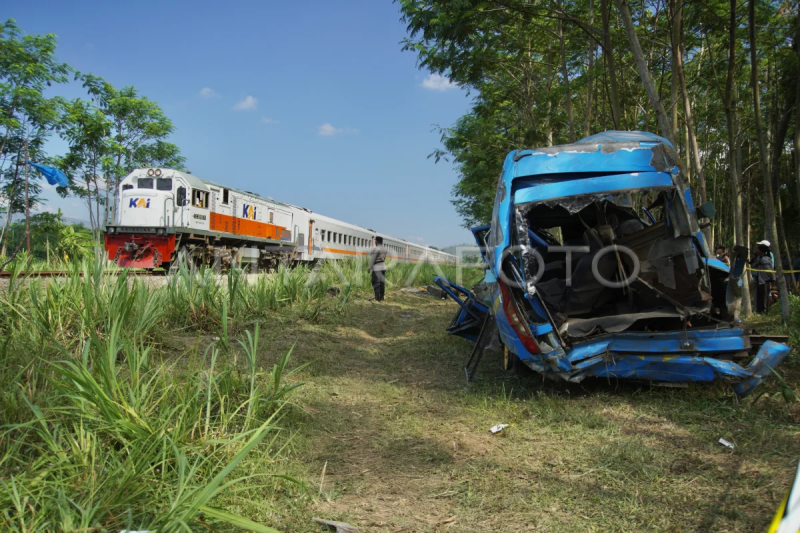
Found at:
<point>773,271</point>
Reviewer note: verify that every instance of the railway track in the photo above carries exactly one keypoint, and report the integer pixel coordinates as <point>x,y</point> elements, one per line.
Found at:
<point>61,273</point>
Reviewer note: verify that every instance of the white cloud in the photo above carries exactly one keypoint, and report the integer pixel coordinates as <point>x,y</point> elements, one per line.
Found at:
<point>245,105</point>
<point>329,130</point>
<point>208,93</point>
<point>437,82</point>
<point>267,120</point>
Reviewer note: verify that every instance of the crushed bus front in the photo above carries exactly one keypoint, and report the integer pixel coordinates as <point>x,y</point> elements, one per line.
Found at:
<point>597,266</point>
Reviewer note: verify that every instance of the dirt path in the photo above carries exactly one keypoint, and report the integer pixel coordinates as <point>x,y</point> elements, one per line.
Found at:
<point>389,438</point>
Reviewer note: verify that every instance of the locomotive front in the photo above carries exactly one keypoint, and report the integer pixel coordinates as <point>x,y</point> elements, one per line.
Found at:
<point>149,200</point>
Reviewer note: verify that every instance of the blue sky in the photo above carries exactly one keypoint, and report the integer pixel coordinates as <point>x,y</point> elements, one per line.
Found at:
<point>311,103</point>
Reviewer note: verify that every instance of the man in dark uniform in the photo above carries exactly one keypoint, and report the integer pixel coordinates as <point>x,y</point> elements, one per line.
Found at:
<point>377,265</point>
<point>762,275</point>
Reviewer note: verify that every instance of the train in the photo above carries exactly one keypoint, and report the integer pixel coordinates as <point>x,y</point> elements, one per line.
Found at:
<point>165,215</point>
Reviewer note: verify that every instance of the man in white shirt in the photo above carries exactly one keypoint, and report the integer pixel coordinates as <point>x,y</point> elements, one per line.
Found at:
<point>377,265</point>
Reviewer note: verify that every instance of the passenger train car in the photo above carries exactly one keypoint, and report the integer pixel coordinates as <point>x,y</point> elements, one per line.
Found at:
<point>164,213</point>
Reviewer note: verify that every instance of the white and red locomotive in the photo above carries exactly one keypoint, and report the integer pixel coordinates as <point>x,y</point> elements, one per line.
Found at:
<point>163,213</point>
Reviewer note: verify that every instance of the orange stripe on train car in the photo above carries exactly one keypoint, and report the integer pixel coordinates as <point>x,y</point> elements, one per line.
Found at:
<point>346,252</point>
<point>243,226</point>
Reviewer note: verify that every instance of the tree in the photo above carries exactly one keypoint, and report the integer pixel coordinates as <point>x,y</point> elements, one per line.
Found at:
<point>27,66</point>
<point>688,57</point>
<point>768,190</point>
<point>138,129</point>
<point>109,137</point>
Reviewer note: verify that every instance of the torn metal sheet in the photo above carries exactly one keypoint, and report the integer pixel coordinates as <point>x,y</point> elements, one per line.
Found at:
<point>596,267</point>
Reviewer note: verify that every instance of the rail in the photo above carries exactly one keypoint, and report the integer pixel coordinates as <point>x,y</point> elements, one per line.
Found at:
<point>62,273</point>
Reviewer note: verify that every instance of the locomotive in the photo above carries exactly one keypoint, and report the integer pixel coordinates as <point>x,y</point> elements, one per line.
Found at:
<point>165,214</point>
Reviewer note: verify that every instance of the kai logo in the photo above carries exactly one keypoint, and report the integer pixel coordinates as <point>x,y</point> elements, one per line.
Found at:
<point>249,211</point>
<point>144,203</point>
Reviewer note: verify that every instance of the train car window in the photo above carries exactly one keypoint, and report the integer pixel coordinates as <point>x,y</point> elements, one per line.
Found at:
<point>145,183</point>
<point>127,187</point>
<point>329,236</point>
<point>225,196</point>
<point>164,184</point>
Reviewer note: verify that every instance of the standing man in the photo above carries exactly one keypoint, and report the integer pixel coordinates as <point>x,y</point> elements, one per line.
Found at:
<point>762,265</point>
<point>766,243</point>
<point>377,265</point>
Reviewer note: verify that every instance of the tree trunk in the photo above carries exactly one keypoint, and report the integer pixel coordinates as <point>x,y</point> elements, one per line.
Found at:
<point>775,171</point>
<point>8,214</point>
<point>548,125</point>
<point>676,10</point>
<point>588,129</point>
<point>740,238</point>
<point>644,71</point>
<point>762,152</point>
<point>797,111</point>
<point>694,150</point>
<point>608,54</point>
<point>565,75</point>
<point>106,206</point>
<point>27,207</point>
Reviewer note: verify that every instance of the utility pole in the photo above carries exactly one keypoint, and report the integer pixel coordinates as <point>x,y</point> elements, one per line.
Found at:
<point>27,206</point>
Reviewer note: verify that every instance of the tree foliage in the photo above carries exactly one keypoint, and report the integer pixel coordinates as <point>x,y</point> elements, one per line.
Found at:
<point>507,54</point>
<point>109,132</point>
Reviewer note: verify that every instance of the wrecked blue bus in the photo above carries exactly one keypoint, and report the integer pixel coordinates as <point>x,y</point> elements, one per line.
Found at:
<point>597,267</point>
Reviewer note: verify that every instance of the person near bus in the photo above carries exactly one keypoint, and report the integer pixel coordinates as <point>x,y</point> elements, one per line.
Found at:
<point>763,276</point>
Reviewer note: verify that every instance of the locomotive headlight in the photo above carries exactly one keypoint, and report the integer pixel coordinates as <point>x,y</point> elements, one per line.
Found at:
<point>158,172</point>
<point>150,172</point>
<point>160,231</point>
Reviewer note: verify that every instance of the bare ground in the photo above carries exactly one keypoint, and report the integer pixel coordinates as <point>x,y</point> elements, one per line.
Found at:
<point>388,437</point>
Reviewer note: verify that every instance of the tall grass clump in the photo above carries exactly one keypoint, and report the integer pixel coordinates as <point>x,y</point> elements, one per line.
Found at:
<point>98,433</point>
<point>101,431</point>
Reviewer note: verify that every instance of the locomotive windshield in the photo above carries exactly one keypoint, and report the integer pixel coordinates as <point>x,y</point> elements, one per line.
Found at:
<point>145,183</point>
<point>164,184</point>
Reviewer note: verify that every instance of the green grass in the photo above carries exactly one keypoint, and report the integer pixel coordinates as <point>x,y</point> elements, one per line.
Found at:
<point>199,402</point>
<point>404,443</point>
<point>154,403</point>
